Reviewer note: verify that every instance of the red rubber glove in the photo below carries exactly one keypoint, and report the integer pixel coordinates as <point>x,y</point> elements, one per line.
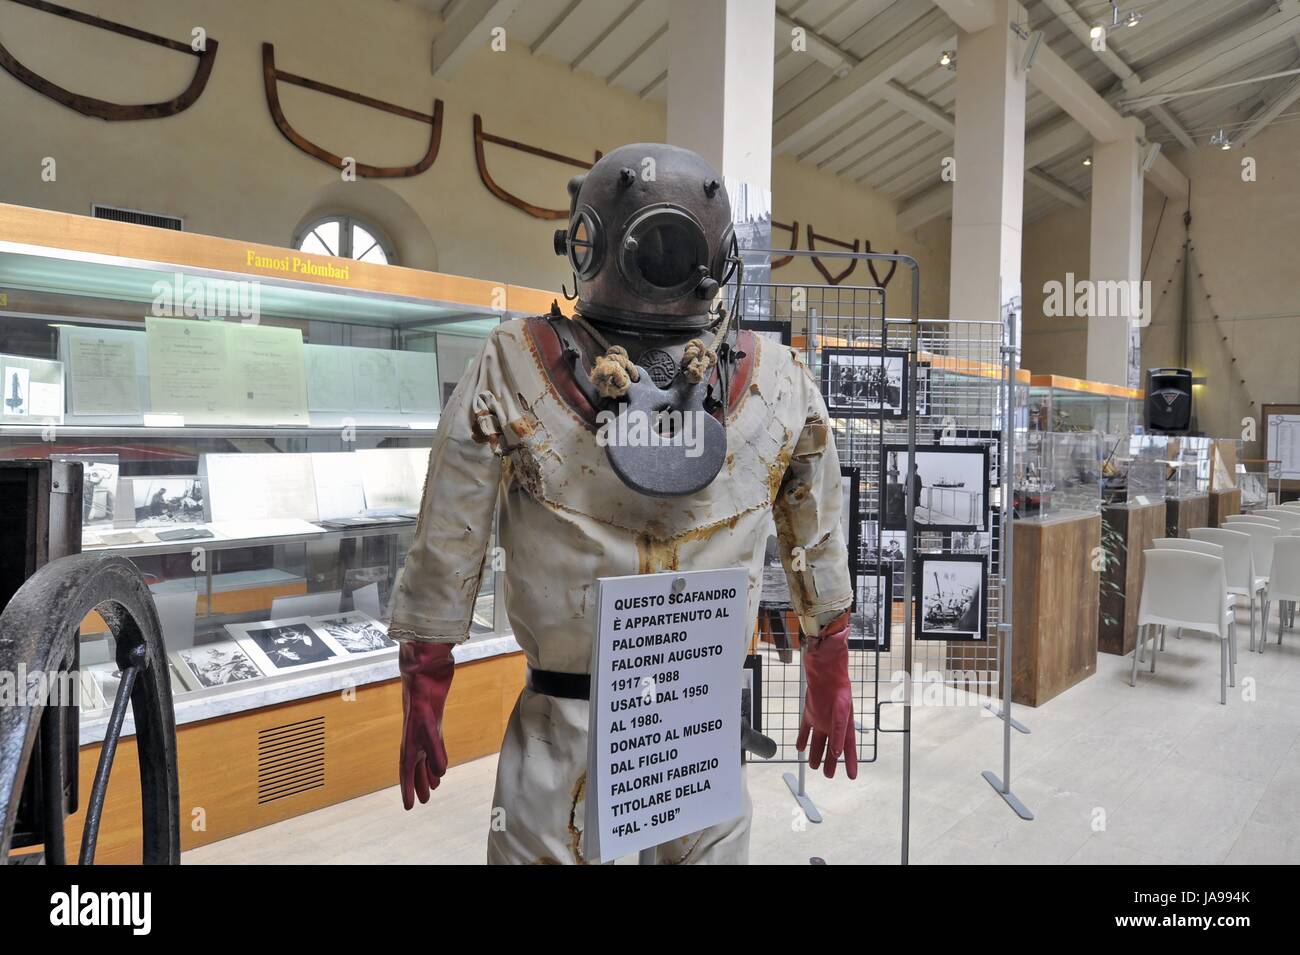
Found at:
<point>427,669</point>
<point>828,702</point>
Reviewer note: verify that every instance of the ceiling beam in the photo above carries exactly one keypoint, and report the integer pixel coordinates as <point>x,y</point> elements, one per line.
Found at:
<point>1224,53</point>
<point>841,100</point>
<point>1053,188</point>
<point>1269,112</point>
<point>1081,30</point>
<point>918,106</point>
<point>465,31</point>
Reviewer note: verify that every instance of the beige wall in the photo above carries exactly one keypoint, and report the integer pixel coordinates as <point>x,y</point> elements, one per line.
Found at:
<point>224,167</point>
<point>1244,258</point>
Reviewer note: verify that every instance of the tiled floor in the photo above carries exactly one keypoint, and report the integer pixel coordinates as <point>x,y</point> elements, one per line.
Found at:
<point>1114,774</point>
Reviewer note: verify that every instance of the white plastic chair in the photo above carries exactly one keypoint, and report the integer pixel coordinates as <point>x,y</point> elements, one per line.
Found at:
<point>1183,588</point>
<point>1287,520</point>
<point>1238,565</point>
<point>1183,543</point>
<point>1250,519</point>
<point>1262,538</point>
<point>1284,582</point>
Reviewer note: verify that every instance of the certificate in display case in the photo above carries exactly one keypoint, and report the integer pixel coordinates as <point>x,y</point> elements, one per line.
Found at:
<point>256,445</point>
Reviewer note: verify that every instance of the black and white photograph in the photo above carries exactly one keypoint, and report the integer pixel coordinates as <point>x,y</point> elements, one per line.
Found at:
<point>98,486</point>
<point>974,437</point>
<point>160,501</point>
<point>950,486</point>
<point>850,515</point>
<point>864,382</point>
<point>778,333</point>
<point>872,612</point>
<point>355,632</point>
<point>278,645</point>
<point>216,664</point>
<point>951,600</point>
<point>887,551</point>
<point>922,388</point>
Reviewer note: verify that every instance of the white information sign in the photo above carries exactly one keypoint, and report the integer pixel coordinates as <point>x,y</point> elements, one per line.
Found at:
<point>664,744</point>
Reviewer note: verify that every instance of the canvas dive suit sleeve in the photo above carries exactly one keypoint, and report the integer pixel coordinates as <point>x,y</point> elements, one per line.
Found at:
<point>433,598</point>
<point>807,513</point>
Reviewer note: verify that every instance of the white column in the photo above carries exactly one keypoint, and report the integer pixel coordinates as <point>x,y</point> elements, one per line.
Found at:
<point>1116,250</point>
<point>988,192</point>
<point>720,76</point>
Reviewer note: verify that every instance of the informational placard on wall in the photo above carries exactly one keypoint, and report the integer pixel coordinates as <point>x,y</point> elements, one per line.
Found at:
<point>664,743</point>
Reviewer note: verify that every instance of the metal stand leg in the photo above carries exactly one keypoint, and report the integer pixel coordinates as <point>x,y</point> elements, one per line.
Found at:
<point>1015,723</point>
<point>1162,641</point>
<point>1263,625</point>
<point>796,783</point>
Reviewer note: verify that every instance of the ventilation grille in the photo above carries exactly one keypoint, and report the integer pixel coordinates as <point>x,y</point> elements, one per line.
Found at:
<point>290,759</point>
<point>136,217</point>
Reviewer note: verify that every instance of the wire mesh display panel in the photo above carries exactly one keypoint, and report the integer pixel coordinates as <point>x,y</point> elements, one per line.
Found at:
<point>863,359</point>
<point>845,313</point>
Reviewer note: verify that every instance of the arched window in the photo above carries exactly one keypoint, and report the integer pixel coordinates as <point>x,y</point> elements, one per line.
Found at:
<point>346,237</point>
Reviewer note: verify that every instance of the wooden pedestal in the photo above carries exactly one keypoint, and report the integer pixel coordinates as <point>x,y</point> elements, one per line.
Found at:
<point>1056,594</point>
<point>1125,533</point>
<point>250,769</point>
<point>1224,504</point>
<point>1184,513</point>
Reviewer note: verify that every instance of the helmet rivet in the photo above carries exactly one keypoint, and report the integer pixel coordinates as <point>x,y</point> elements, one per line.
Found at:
<point>626,177</point>
<point>711,187</point>
<point>630,244</point>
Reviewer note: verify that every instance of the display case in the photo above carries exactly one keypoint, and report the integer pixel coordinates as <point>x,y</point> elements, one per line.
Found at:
<point>253,425</point>
<point>1058,404</point>
<point>1057,474</point>
<point>1134,469</point>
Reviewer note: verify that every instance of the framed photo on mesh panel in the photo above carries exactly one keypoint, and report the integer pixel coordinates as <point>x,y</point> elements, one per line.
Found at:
<point>951,593</point>
<point>776,332</point>
<point>851,515</point>
<point>870,622</point>
<point>864,382</point>
<point>975,437</point>
<point>951,483</point>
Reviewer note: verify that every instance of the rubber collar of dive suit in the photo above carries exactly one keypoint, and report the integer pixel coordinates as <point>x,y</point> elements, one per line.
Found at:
<point>564,686</point>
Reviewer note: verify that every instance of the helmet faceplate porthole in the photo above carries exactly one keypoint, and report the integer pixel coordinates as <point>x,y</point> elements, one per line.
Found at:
<point>662,252</point>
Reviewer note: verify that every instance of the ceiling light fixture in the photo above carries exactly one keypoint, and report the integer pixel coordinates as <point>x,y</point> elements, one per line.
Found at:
<point>1133,18</point>
<point>1221,140</point>
<point>1087,160</point>
<point>948,59</point>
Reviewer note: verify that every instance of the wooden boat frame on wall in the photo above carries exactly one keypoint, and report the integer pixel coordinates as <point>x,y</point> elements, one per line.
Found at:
<point>846,246</point>
<point>272,77</point>
<point>893,267</point>
<point>537,212</point>
<point>103,109</point>
<point>793,229</point>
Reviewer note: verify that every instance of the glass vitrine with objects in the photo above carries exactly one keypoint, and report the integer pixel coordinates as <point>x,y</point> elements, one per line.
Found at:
<point>254,440</point>
<point>1057,474</point>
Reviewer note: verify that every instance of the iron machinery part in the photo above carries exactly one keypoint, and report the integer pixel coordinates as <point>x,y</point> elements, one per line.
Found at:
<point>39,630</point>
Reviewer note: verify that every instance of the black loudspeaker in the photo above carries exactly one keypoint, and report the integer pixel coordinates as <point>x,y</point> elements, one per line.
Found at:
<point>1169,400</point>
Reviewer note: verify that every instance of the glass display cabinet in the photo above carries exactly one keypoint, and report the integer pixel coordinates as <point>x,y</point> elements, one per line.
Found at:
<point>1058,403</point>
<point>1057,475</point>
<point>253,425</point>
<point>1134,469</point>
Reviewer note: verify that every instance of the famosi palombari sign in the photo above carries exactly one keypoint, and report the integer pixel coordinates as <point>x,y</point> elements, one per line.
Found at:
<point>1129,300</point>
